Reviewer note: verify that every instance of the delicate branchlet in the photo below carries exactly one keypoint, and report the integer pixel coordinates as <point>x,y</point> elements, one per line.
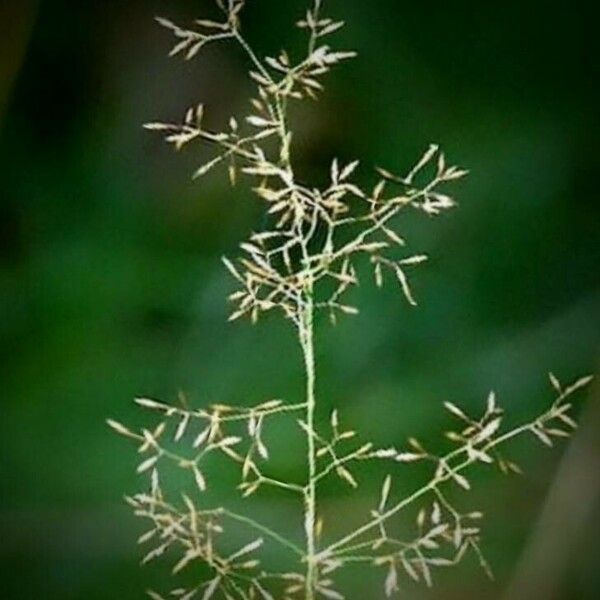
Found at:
<point>306,260</point>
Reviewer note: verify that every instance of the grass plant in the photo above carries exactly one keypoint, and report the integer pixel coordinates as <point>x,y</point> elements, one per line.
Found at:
<point>316,245</point>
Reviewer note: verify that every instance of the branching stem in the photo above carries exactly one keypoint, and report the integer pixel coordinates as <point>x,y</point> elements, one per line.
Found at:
<point>425,490</point>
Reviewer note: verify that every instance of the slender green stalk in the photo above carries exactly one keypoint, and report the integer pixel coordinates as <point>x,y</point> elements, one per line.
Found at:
<point>307,342</point>
<point>263,529</point>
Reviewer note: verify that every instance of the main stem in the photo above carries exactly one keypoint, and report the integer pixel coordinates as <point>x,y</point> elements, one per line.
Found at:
<point>307,343</point>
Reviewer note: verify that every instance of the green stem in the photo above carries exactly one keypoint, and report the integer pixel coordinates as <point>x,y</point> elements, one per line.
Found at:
<point>258,527</point>
<point>307,343</point>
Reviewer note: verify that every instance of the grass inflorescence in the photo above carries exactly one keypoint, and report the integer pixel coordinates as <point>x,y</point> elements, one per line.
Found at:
<point>305,262</point>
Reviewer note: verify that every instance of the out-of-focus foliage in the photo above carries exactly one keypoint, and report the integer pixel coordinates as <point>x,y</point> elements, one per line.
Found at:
<point>109,287</point>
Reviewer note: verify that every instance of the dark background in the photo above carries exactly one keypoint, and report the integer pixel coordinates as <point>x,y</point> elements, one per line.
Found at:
<point>111,284</point>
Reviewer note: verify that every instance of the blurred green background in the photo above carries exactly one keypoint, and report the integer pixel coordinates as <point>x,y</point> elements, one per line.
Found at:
<point>111,284</point>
